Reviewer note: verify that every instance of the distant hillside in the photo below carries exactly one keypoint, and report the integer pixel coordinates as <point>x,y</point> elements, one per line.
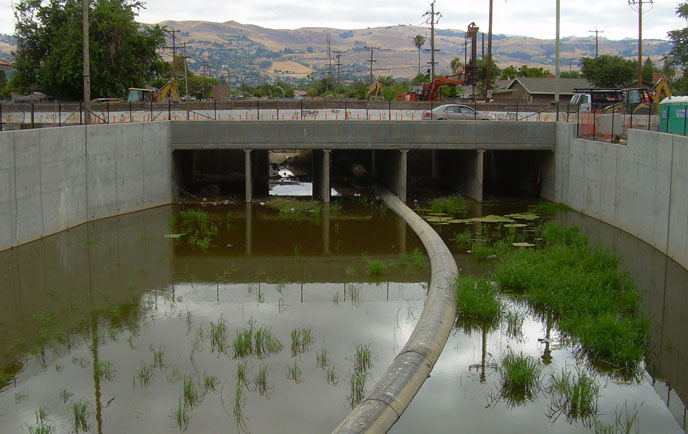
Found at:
<point>252,53</point>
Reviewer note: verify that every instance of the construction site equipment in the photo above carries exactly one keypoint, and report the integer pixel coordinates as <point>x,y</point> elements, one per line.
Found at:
<point>660,90</point>
<point>616,100</point>
<point>170,91</point>
<point>467,75</point>
<point>374,91</point>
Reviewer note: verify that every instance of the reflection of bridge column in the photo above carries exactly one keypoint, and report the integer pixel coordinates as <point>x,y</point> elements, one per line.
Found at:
<point>390,168</point>
<point>435,166</point>
<point>249,229</point>
<point>321,174</point>
<point>325,224</point>
<point>401,230</point>
<point>248,175</point>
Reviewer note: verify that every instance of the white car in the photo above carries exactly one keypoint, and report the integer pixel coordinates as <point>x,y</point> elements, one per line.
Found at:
<point>457,112</point>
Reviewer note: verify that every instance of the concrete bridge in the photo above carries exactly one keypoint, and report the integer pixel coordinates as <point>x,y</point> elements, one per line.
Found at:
<point>450,151</point>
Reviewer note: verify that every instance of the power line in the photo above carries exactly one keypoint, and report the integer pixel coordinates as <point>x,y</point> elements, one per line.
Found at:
<point>338,54</point>
<point>174,50</point>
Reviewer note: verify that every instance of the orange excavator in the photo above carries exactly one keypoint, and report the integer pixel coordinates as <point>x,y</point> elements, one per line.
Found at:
<point>431,91</point>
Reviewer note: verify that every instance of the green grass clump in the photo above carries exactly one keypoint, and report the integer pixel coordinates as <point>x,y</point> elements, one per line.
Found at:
<point>322,359</point>
<point>43,426</point>
<point>301,341</point>
<point>294,372</point>
<point>80,410</point>
<point>477,299</point>
<point>104,370</point>
<point>463,238</point>
<point>574,396</point>
<point>581,286</point>
<point>210,383</point>
<point>265,343</point>
<point>520,378</point>
<point>144,376</point>
<point>451,205</point>
<point>415,259</point>
<point>218,336</point>
<point>357,383</point>
<point>197,228</point>
<point>331,375</point>
<point>192,393</point>
<point>261,381</point>
<point>363,359</point>
<point>181,415</point>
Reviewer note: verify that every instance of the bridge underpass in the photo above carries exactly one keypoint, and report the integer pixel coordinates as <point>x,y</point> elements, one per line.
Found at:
<point>465,156</point>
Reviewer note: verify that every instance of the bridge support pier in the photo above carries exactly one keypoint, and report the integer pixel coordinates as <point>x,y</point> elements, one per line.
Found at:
<point>391,170</point>
<point>321,174</point>
<point>257,173</point>
<point>461,171</point>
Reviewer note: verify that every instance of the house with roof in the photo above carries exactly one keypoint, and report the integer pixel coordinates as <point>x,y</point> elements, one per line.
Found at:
<point>5,65</point>
<point>532,90</point>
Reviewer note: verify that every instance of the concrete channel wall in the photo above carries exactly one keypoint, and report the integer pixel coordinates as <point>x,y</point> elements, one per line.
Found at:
<point>53,179</point>
<point>640,187</point>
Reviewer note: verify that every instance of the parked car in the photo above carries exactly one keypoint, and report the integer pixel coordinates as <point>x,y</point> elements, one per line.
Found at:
<point>456,112</point>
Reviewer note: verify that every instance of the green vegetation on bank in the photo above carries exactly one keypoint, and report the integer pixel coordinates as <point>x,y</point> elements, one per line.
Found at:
<point>592,302</point>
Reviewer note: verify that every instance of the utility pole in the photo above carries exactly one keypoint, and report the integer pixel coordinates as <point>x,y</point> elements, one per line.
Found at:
<point>597,42</point>
<point>488,84</point>
<point>638,6</point>
<point>174,51</point>
<point>557,69</point>
<point>329,59</point>
<point>87,62</point>
<point>372,60</point>
<point>186,76</point>
<point>339,63</point>
<point>431,20</point>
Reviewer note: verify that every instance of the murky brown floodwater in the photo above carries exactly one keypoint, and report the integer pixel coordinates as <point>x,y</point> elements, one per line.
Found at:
<point>86,312</point>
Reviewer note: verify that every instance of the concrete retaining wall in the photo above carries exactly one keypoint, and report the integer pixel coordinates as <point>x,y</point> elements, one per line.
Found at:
<point>54,179</point>
<point>640,187</point>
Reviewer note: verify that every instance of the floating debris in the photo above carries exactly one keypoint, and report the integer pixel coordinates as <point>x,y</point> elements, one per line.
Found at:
<point>516,225</point>
<point>523,245</point>
<point>524,216</point>
<point>492,219</point>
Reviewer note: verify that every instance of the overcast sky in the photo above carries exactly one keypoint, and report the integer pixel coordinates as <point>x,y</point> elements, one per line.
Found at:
<point>534,18</point>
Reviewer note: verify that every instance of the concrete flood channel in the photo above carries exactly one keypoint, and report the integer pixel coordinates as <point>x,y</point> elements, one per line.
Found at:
<point>123,325</point>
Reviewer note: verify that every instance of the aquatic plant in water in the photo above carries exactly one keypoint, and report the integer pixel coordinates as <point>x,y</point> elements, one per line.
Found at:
<point>357,383</point>
<point>80,410</point>
<point>294,372</point>
<point>104,370</point>
<point>322,359</point>
<point>242,374</point>
<point>363,359</point>
<point>477,300</point>
<point>144,375</point>
<point>260,381</point>
<point>192,393</point>
<point>520,378</point>
<point>574,396</point>
<point>43,426</point>
<point>181,415</point>
<point>301,341</point>
<point>331,375</point>
<point>218,336</point>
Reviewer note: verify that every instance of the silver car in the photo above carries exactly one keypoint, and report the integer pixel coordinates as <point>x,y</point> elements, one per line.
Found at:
<point>456,112</point>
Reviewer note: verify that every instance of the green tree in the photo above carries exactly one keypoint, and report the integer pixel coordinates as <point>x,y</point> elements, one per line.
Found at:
<point>648,71</point>
<point>419,41</point>
<point>4,91</point>
<point>456,65</point>
<point>609,71</point>
<point>570,74</point>
<point>679,39</point>
<point>48,55</point>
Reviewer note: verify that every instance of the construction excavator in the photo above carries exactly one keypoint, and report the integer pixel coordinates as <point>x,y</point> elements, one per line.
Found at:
<point>374,91</point>
<point>168,92</point>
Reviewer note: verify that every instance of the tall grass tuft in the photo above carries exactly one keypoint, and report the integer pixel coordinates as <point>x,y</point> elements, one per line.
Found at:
<point>363,359</point>
<point>322,359</point>
<point>574,396</point>
<point>80,410</point>
<point>242,374</point>
<point>301,341</point>
<point>477,300</point>
<point>294,372</point>
<point>43,426</point>
<point>331,375</point>
<point>260,381</point>
<point>521,378</point>
<point>452,205</point>
<point>265,343</point>
<point>181,415</point>
<point>144,376</point>
<point>219,339</point>
<point>192,393</point>
<point>104,370</point>
<point>357,383</point>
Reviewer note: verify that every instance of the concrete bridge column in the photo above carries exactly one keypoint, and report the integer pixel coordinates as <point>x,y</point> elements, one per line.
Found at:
<point>321,174</point>
<point>249,229</point>
<point>390,168</point>
<point>248,175</point>
<point>325,224</point>
<point>462,171</point>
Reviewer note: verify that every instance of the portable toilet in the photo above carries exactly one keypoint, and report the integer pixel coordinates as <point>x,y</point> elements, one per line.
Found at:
<point>672,115</point>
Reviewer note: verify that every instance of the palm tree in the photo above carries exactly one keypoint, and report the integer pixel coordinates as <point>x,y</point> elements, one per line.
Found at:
<point>456,65</point>
<point>419,41</point>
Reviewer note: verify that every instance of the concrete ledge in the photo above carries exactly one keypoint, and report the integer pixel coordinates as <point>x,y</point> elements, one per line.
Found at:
<point>390,396</point>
